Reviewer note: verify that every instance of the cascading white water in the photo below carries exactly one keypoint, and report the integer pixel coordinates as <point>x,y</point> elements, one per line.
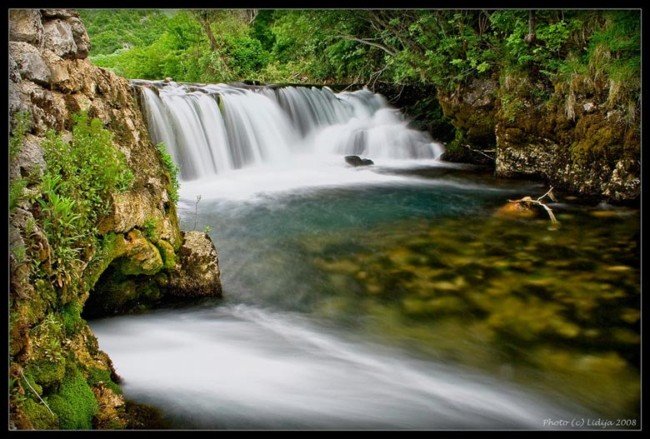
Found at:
<point>213,129</point>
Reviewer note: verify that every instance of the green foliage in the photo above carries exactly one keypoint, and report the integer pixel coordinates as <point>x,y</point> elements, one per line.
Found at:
<point>207,229</point>
<point>22,123</point>
<point>115,29</point>
<point>16,188</point>
<point>19,253</point>
<point>76,186</point>
<point>441,47</point>
<point>74,403</point>
<point>171,169</point>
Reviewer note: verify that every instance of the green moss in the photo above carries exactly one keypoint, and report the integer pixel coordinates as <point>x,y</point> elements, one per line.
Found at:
<point>167,253</point>
<point>149,228</point>
<point>45,373</point>
<point>39,415</point>
<point>102,376</point>
<point>147,261</point>
<point>172,170</point>
<point>75,403</point>
<point>71,315</point>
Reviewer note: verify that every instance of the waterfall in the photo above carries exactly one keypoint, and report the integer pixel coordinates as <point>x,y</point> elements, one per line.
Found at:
<point>216,128</point>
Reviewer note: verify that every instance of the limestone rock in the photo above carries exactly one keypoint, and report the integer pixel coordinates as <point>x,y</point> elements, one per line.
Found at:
<point>59,13</point>
<point>57,36</point>
<point>29,62</point>
<point>29,161</point>
<point>197,271</point>
<point>141,256</point>
<point>25,25</point>
<point>80,37</point>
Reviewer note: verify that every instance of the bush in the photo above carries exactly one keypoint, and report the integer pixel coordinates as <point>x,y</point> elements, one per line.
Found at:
<point>76,186</point>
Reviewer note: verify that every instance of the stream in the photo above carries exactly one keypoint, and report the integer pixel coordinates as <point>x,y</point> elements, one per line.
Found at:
<point>382,297</point>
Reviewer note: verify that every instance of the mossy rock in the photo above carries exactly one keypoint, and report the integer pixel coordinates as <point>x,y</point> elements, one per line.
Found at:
<point>167,253</point>
<point>98,376</point>
<point>74,403</point>
<point>39,416</point>
<point>141,257</point>
<point>71,315</point>
<point>46,373</point>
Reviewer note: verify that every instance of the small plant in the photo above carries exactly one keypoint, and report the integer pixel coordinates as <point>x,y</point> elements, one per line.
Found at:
<point>172,169</point>
<point>16,188</point>
<point>196,210</point>
<point>207,229</point>
<point>19,253</point>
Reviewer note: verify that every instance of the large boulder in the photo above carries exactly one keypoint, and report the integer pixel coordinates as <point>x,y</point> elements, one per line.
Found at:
<point>25,26</point>
<point>57,36</point>
<point>29,63</point>
<point>197,270</point>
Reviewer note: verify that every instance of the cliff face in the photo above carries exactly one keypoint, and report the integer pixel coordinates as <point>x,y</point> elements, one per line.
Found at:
<point>581,136</point>
<point>59,377</point>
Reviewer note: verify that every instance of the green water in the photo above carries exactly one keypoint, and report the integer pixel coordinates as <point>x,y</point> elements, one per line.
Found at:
<point>430,269</point>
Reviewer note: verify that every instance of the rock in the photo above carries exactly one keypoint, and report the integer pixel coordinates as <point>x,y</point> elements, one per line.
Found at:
<point>29,63</point>
<point>29,161</point>
<point>168,79</point>
<point>140,257</point>
<point>356,161</point>
<point>57,36</point>
<point>516,210</point>
<point>59,13</point>
<point>80,37</point>
<point>197,271</point>
<point>25,25</point>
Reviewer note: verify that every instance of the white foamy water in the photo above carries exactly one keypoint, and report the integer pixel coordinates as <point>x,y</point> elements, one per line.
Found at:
<point>213,129</point>
<point>243,367</point>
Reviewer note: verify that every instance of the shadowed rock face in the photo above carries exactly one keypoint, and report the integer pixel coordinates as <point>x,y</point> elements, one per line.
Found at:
<point>52,79</point>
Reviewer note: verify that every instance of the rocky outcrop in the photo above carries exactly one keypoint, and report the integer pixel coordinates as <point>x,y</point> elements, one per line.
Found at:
<point>581,136</point>
<point>580,140</point>
<point>472,109</point>
<point>59,377</point>
<point>197,271</point>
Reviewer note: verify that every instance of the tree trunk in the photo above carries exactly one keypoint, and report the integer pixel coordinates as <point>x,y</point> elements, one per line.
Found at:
<point>532,28</point>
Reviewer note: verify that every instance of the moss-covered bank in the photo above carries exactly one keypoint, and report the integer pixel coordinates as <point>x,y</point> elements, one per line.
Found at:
<point>92,202</point>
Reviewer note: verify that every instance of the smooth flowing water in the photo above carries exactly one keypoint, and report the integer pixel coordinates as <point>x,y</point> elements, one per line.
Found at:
<point>388,297</point>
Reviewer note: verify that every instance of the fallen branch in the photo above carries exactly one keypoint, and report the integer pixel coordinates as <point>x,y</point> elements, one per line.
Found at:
<point>529,202</point>
<point>478,151</point>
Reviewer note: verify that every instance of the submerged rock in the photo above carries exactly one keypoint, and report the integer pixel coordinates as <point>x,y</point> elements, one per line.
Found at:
<point>197,271</point>
<point>517,210</point>
<point>356,161</point>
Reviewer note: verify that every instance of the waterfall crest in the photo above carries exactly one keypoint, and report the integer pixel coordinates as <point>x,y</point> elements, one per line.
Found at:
<point>213,129</point>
